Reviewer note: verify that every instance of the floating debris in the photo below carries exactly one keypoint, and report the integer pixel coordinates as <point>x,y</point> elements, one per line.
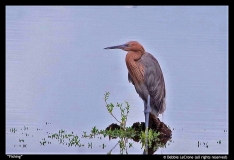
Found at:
<point>205,144</point>
<point>103,146</point>
<point>13,130</point>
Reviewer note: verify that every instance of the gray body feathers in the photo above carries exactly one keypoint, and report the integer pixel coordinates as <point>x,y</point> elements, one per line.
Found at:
<point>152,85</point>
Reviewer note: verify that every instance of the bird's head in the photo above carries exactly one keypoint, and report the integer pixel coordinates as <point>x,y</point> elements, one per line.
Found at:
<point>129,46</point>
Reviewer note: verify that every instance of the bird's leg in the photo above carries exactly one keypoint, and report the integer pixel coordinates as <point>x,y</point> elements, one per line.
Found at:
<point>147,112</point>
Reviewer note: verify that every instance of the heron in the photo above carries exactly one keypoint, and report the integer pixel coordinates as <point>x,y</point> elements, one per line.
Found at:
<point>145,73</point>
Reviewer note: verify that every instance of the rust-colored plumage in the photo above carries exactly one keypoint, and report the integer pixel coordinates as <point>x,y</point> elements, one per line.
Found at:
<point>135,69</point>
<point>145,74</point>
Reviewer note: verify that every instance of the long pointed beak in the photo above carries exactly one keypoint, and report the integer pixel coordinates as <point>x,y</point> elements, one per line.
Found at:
<point>117,47</point>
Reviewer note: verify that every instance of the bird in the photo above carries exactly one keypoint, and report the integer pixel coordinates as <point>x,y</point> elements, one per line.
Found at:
<point>145,73</point>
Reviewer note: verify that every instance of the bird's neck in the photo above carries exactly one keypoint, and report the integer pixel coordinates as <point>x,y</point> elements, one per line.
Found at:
<point>134,55</point>
<point>135,69</point>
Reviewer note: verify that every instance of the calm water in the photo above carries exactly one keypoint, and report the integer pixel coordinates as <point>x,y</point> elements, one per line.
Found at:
<point>57,73</point>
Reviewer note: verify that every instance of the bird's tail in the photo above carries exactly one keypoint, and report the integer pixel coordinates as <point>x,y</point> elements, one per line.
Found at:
<point>159,108</point>
<point>154,112</point>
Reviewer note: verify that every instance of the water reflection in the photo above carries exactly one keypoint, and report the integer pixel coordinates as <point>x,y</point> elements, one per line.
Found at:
<point>26,136</point>
<point>71,139</point>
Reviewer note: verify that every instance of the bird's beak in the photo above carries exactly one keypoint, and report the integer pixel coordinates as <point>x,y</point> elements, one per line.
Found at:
<point>117,47</point>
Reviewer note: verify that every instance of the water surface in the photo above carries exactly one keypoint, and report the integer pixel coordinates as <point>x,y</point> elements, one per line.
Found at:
<point>57,73</point>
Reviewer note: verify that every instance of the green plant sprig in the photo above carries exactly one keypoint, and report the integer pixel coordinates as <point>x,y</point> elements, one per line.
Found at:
<point>123,110</point>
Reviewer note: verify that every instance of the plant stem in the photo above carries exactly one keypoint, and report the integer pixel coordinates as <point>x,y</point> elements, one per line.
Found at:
<point>115,117</point>
<point>112,148</point>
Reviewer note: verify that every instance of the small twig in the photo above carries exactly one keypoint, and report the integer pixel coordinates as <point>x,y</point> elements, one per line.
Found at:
<point>115,117</point>
<point>110,111</point>
<point>112,148</point>
<point>125,145</point>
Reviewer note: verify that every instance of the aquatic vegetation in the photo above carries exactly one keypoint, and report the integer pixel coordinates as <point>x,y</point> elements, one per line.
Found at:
<point>157,137</point>
<point>121,131</point>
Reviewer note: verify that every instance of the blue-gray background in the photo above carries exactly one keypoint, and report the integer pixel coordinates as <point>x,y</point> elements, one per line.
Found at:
<point>57,71</point>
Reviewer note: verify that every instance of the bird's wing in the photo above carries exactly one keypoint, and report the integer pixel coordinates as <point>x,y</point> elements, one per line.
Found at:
<point>154,81</point>
<point>130,79</point>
